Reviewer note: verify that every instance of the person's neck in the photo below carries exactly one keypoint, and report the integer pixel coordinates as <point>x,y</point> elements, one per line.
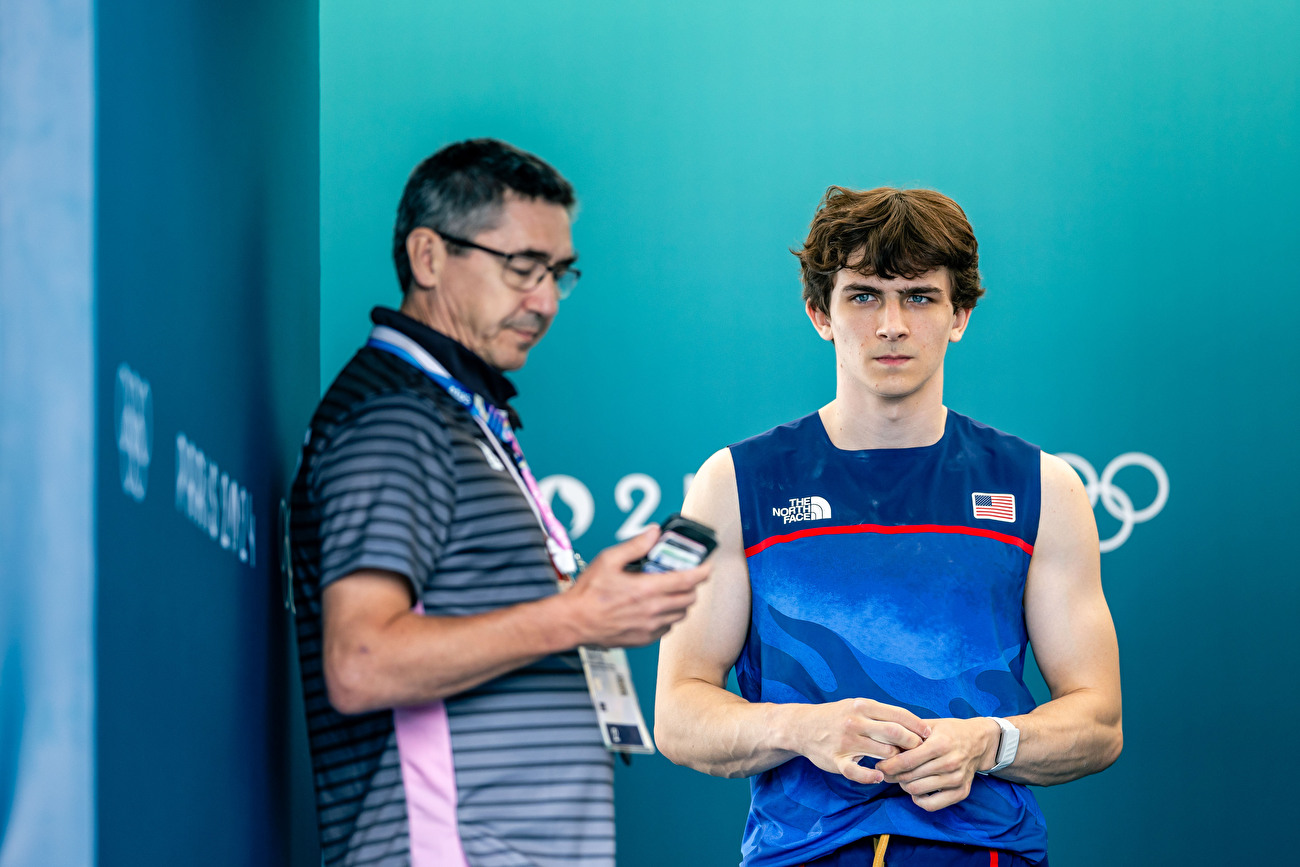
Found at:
<point>423,307</point>
<point>855,420</point>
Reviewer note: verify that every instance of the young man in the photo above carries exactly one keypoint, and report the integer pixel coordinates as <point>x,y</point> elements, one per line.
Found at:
<point>448,714</point>
<point>883,565</point>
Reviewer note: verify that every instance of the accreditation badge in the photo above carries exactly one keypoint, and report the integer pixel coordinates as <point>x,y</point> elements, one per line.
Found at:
<point>609,680</point>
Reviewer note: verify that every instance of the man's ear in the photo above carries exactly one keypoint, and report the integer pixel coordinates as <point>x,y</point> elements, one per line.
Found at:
<point>960,319</point>
<point>427,254</point>
<point>821,321</point>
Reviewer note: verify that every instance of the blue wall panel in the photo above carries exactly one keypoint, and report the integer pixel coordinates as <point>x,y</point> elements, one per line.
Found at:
<point>47,571</point>
<point>207,339</point>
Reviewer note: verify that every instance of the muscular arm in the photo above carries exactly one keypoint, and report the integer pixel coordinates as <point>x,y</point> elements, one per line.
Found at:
<point>378,653</point>
<point>1078,731</point>
<point>700,724</point>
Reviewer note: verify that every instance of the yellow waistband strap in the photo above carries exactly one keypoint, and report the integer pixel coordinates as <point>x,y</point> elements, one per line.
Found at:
<point>881,843</point>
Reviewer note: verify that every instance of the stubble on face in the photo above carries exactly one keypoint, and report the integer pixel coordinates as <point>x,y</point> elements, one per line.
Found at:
<point>499,323</point>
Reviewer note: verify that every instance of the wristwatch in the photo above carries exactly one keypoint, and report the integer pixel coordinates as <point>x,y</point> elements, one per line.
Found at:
<point>1008,742</point>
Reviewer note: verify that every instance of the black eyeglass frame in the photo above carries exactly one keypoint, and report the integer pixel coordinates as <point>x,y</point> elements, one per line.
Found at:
<point>565,277</point>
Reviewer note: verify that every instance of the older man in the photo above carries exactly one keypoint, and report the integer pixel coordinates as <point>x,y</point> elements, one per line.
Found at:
<point>883,565</point>
<point>449,718</point>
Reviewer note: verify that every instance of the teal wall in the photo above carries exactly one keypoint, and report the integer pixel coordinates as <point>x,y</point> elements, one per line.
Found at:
<point>1131,171</point>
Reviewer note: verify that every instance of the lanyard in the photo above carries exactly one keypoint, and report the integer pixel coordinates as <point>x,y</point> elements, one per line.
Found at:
<point>494,424</point>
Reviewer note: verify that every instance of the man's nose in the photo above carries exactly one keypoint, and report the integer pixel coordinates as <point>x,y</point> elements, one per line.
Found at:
<point>545,297</point>
<point>893,322</point>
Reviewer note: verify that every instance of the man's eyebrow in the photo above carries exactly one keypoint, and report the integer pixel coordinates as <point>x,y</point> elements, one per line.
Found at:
<point>903,290</point>
<point>543,256</point>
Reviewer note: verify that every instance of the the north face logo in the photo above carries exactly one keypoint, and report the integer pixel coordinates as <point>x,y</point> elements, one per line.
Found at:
<point>803,509</point>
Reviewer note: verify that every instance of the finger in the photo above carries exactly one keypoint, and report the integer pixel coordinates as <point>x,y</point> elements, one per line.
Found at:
<point>633,549</point>
<point>893,713</point>
<point>665,613</point>
<point>878,751</point>
<point>931,783</point>
<point>875,749</point>
<point>676,608</point>
<point>933,801</point>
<point>907,762</point>
<point>892,733</point>
<point>851,770</point>
<point>681,580</point>
<point>669,620</point>
<point>945,765</point>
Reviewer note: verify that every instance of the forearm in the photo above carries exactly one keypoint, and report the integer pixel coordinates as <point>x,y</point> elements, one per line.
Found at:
<point>415,659</point>
<point>1072,736</point>
<point>705,727</point>
<point>379,653</point>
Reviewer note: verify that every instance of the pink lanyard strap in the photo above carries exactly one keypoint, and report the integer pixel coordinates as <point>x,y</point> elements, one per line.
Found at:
<point>496,426</point>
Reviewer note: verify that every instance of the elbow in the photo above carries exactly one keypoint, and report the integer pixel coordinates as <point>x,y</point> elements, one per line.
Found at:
<point>349,684</point>
<point>672,742</point>
<point>677,746</point>
<point>666,739</point>
<point>1114,746</point>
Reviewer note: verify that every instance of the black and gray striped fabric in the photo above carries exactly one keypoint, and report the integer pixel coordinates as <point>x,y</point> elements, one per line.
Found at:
<point>395,476</point>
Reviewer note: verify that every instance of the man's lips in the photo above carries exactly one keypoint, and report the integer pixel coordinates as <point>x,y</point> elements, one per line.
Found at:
<point>893,360</point>
<point>527,335</point>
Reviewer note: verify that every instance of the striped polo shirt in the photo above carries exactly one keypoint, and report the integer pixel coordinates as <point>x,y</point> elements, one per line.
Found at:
<point>396,476</point>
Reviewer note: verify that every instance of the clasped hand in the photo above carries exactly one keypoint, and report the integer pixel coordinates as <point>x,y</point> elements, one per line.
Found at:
<point>934,760</point>
<point>938,772</point>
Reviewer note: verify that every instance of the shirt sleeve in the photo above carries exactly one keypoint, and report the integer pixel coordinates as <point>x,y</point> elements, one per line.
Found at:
<point>384,490</point>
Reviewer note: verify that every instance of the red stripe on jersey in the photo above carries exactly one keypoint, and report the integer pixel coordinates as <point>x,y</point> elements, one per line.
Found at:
<point>888,530</point>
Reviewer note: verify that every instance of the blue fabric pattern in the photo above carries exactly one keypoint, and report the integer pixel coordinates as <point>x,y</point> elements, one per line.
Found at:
<point>872,577</point>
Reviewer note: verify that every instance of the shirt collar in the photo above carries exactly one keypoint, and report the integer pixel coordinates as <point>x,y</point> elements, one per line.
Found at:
<point>462,363</point>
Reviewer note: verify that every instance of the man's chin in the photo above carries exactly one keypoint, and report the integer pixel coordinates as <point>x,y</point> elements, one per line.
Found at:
<point>513,360</point>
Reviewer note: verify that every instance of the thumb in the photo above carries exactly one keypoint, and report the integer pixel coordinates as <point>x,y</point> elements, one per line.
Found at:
<point>635,548</point>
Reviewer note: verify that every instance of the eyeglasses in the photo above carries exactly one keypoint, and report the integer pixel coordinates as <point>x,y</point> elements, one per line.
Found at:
<point>525,271</point>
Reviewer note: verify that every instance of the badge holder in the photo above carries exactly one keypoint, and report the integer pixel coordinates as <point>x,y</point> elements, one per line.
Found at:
<point>609,680</point>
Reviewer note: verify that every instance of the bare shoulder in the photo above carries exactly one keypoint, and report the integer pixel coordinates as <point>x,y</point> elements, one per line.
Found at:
<point>712,496</point>
<point>708,641</point>
<point>1066,614</point>
<point>1066,513</point>
<point>1058,476</point>
<point>718,471</point>
<point>1066,549</point>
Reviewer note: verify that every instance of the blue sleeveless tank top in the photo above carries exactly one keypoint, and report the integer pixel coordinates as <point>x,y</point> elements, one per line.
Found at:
<point>896,575</point>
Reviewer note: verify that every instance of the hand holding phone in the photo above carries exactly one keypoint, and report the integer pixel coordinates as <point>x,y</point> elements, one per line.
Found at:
<point>682,544</point>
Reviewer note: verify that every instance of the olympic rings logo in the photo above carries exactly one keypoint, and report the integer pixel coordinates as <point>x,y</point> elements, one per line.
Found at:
<point>1114,499</point>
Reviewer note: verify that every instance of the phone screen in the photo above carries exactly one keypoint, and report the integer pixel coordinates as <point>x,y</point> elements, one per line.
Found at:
<point>673,552</point>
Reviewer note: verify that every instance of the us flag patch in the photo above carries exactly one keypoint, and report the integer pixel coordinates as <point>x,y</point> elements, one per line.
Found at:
<point>995,507</point>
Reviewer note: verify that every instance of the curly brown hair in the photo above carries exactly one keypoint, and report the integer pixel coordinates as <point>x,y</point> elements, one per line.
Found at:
<point>889,233</point>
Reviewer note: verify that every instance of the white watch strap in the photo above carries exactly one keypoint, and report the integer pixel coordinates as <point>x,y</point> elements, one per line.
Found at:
<point>1008,743</point>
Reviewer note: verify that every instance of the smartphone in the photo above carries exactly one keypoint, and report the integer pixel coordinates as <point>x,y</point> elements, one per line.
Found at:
<point>682,544</point>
